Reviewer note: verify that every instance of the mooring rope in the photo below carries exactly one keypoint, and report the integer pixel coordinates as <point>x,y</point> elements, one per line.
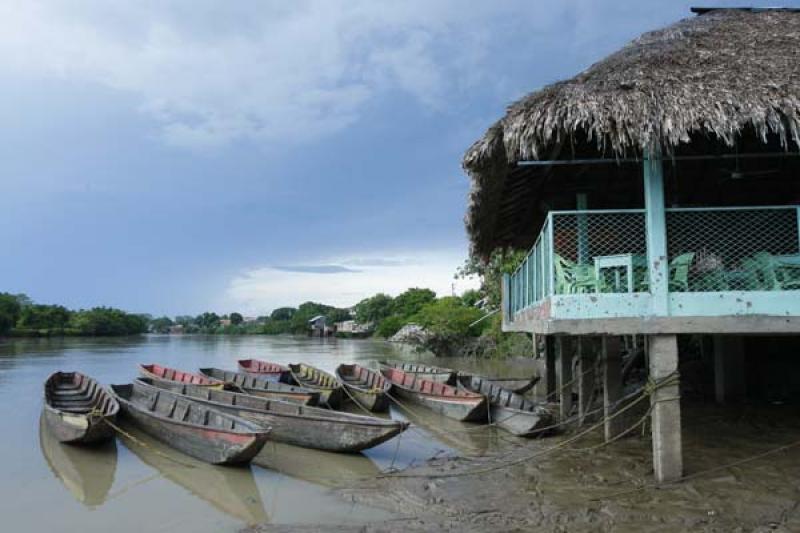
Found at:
<point>142,443</point>
<point>646,393</point>
<point>700,473</point>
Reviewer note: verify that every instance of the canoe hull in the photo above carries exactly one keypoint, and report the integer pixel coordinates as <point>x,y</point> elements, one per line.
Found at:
<point>508,410</point>
<point>367,388</point>
<point>309,427</point>
<point>78,429</point>
<point>77,409</point>
<point>467,410</point>
<point>263,369</point>
<point>258,386</point>
<point>517,386</point>
<point>329,389</point>
<point>422,371</point>
<point>375,402</point>
<point>170,374</point>
<point>330,397</point>
<point>198,437</point>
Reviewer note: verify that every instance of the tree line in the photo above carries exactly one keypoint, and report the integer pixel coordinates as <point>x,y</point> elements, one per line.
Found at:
<point>20,316</point>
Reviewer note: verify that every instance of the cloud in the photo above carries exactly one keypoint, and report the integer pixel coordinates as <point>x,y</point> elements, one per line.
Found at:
<point>210,73</point>
<point>315,269</point>
<point>260,289</point>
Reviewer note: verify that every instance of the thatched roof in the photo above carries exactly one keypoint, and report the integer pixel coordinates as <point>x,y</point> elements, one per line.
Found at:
<point>712,75</point>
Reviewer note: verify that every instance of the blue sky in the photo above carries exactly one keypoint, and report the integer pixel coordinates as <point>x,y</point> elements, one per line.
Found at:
<point>175,157</point>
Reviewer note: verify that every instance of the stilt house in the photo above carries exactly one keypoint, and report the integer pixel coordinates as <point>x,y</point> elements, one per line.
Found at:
<point>657,194</point>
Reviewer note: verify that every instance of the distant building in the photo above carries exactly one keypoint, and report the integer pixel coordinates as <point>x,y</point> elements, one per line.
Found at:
<point>352,326</point>
<point>225,322</point>
<point>177,329</point>
<point>318,326</point>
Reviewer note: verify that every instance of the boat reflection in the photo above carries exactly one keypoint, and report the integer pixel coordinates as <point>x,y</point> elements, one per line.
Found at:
<point>86,471</point>
<point>468,439</point>
<point>232,490</point>
<point>328,469</point>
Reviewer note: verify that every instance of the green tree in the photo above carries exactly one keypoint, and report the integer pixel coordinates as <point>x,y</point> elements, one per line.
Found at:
<point>389,326</point>
<point>305,312</point>
<point>161,325</point>
<point>283,313</point>
<point>338,315</point>
<point>374,309</point>
<point>107,321</point>
<point>411,301</point>
<point>449,316</point>
<point>9,311</point>
<point>38,316</point>
<point>207,321</point>
<point>490,271</point>
<point>236,319</point>
<point>471,297</point>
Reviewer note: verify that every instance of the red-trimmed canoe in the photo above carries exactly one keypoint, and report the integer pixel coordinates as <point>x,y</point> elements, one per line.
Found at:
<point>450,401</point>
<point>366,387</point>
<point>421,370</point>
<point>194,428</point>
<point>299,425</point>
<point>76,408</point>
<point>509,410</point>
<point>170,374</point>
<point>263,369</point>
<point>329,388</point>
<point>266,388</point>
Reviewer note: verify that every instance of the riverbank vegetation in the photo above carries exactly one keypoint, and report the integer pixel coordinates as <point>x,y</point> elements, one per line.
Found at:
<point>452,325</point>
<point>21,317</point>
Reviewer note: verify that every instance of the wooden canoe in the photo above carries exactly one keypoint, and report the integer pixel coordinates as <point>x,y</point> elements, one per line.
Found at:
<point>77,408</point>
<point>447,400</point>
<point>431,373</point>
<point>329,388</point>
<point>510,411</point>
<point>194,428</point>
<point>247,384</point>
<point>300,425</point>
<point>86,471</point>
<point>171,374</point>
<point>367,387</point>
<point>515,385</point>
<point>263,369</point>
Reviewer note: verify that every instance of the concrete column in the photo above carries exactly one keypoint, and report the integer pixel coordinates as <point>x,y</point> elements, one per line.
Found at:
<point>564,355</point>
<point>612,385</point>
<point>550,368</point>
<point>666,414</point>
<point>655,220</point>
<point>729,373</point>
<point>586,377</point>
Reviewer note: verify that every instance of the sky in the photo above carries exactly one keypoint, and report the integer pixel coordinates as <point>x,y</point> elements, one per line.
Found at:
<point>173,157</point>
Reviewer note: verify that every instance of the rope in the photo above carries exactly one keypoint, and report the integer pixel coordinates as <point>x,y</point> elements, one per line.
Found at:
<point>526,458</point>
<point>144,444</point>
<point>702,472</point>
<point>646,393</point>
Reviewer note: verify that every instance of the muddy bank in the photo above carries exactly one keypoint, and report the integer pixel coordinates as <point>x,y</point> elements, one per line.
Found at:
<point>602,489</point>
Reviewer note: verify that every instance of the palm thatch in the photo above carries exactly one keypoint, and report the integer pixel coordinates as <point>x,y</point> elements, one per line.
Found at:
<point>713,75</point>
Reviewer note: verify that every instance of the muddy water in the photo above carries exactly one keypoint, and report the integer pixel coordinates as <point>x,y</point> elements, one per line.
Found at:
<point>126,486</point>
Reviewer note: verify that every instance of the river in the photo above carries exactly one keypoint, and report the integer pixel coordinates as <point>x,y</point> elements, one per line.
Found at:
<point>129,486</point>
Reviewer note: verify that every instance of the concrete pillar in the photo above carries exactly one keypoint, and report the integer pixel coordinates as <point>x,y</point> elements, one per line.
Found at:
<point>729,372</point>
<point>548,381</point>
<point>564,356</point>
<point>612,385</point>
<point>666,414</point>
<point>586,377</point>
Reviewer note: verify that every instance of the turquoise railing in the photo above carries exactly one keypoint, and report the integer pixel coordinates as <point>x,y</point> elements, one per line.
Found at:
<point>709,249</point>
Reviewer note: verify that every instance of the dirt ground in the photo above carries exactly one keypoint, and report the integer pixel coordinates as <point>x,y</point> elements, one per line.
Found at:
<point>603,489</point>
